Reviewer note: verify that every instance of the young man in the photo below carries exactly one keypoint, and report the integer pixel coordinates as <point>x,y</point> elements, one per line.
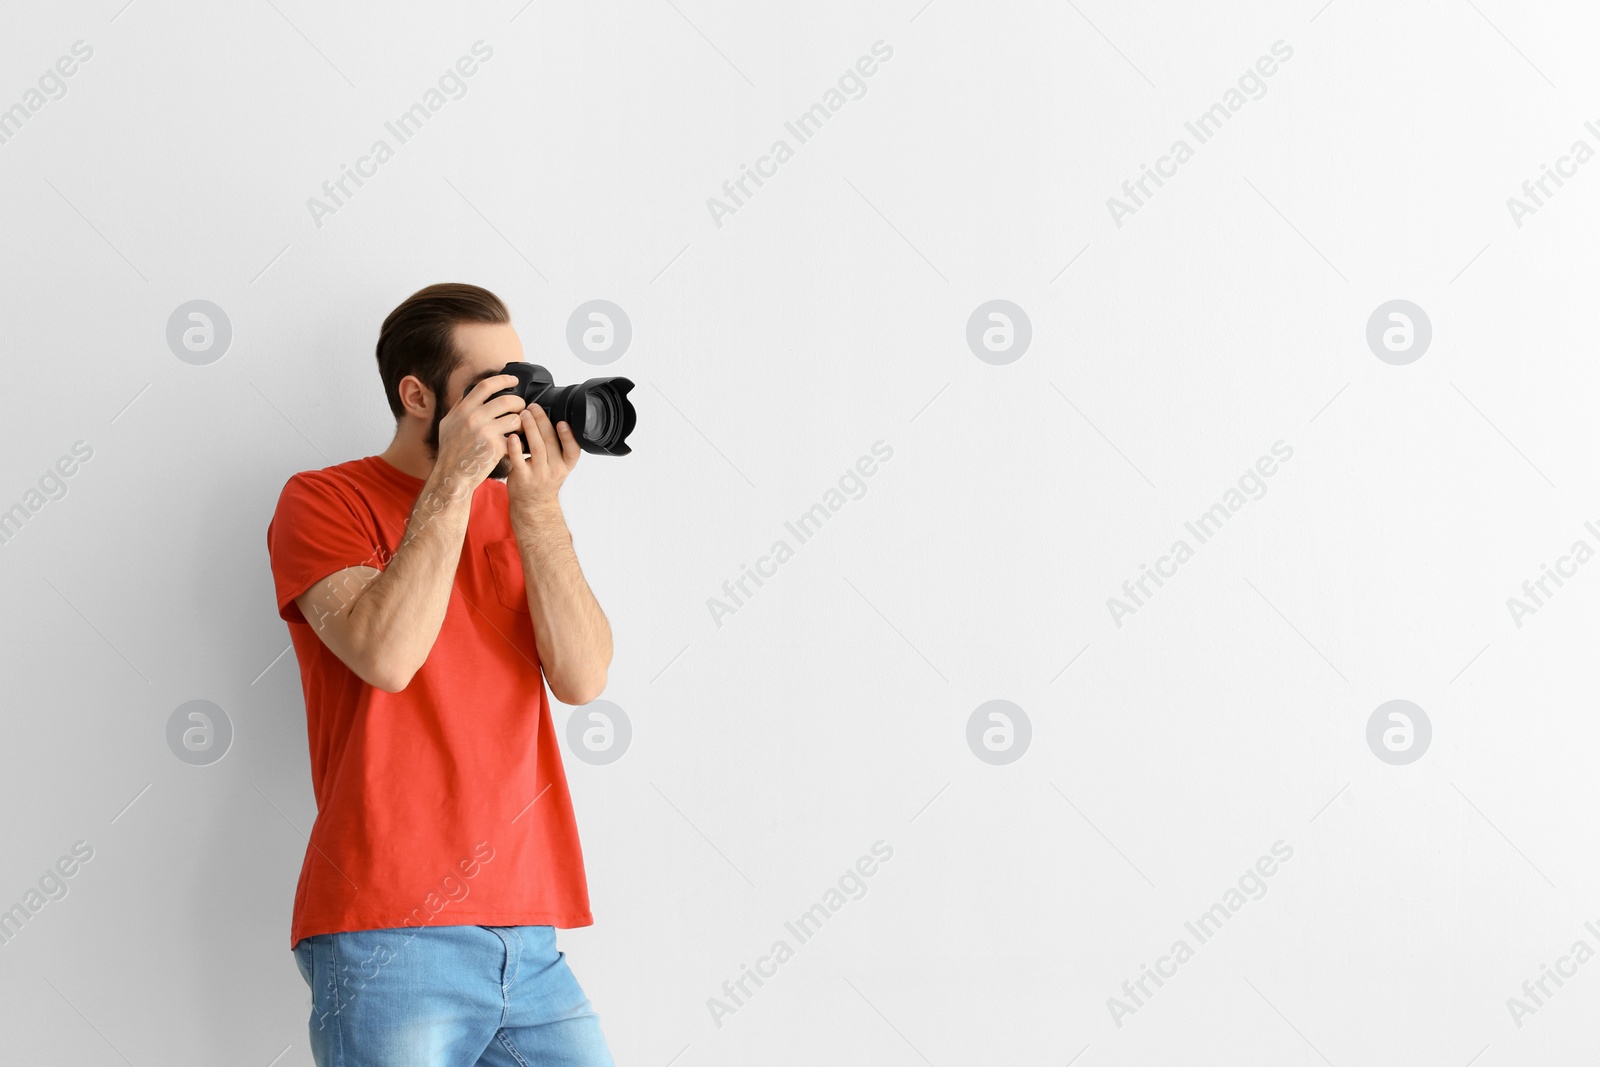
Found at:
<point>430,592</point>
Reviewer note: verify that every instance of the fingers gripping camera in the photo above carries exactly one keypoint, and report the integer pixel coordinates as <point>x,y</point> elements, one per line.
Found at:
<point>599,411</point>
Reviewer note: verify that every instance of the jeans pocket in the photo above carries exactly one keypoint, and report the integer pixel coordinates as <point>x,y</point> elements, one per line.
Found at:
<point>302,959</point>
<point>317,961</point>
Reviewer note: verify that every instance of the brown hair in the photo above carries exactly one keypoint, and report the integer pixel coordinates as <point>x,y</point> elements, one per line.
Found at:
<point>418,337</point>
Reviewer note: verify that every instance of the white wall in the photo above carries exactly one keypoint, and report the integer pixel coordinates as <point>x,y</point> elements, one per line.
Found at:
<point>829,312</point>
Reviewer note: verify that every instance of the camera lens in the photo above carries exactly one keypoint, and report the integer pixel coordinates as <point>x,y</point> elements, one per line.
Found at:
<point>596,417</point>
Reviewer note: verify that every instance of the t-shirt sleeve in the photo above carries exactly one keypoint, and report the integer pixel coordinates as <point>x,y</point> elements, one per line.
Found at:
<point>318,529</point>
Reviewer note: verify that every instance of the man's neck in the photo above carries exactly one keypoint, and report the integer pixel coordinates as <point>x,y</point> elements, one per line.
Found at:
<point>409,454</point>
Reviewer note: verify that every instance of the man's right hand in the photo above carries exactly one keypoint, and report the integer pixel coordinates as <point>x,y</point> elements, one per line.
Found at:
<point>472,434</point>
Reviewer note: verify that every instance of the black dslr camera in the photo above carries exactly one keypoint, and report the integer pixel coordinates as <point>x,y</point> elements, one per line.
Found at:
<point>599,411</point>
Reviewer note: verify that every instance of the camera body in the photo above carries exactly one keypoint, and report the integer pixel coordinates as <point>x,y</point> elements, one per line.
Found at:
<point>598,410</point>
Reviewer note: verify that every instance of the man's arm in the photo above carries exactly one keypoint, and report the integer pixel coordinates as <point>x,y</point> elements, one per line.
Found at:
<point>382,624</point>
<point>572,634</point>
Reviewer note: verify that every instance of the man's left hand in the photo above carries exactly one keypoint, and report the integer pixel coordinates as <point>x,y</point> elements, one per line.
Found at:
<point>535,477</point>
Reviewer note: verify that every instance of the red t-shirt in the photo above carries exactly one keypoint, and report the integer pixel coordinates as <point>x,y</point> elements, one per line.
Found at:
<point>445,803</point>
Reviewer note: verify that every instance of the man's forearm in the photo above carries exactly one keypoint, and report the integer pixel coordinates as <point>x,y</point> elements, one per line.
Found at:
<point>573,636</point>
<point>398,617</point>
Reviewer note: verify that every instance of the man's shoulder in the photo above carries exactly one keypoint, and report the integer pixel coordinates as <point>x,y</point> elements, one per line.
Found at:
<point>351,483</point>
<point>353,475</point>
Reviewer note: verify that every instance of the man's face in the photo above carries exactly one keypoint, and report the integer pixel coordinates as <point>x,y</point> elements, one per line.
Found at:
<point>485,347</point>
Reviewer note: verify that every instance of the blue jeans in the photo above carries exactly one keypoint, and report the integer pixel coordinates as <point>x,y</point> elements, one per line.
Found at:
<point>447,996</point>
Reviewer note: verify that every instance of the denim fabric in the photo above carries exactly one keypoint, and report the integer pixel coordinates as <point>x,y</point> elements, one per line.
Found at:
<point>447,996</point>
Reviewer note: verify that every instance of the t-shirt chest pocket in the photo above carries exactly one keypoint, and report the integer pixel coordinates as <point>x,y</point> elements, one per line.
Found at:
<point>505,572</point>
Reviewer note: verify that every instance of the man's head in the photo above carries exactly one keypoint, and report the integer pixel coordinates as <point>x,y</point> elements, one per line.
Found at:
<point>433,346</point>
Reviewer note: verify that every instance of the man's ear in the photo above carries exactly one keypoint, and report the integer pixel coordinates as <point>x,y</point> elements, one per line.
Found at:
<point>416,398</point>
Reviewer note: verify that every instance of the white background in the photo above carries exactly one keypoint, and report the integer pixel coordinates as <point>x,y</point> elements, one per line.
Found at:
<point>828,313</point>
